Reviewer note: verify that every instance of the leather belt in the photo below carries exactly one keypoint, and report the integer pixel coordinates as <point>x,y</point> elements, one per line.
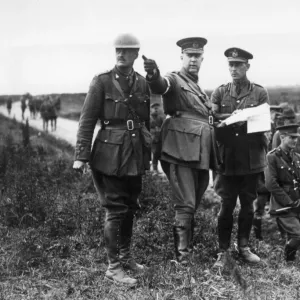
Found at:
<point>194,116</point>
<point>122,124</point>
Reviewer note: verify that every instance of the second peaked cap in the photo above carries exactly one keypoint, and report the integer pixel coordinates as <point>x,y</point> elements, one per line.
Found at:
<point>192,44</point>
<point>237,54</point>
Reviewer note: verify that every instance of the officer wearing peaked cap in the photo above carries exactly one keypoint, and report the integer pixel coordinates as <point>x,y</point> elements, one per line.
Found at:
<point>283,181</point>
<point>120,99</point>
<point>186,137</point>
<point>286,117</point>
<point>243,154</point>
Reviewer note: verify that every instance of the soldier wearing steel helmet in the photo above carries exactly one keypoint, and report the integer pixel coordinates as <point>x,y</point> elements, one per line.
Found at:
<point>186,138</point>
<point>243,155</point>
<point>120,99</point>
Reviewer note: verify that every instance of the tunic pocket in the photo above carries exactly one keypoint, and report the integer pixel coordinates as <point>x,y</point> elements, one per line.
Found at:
<point>114,108</point>
<point>183,140</point>
<point>107,151</point>
<point>226,107</point>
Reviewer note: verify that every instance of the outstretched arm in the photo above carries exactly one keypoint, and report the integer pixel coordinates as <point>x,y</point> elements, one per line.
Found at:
<point>158,84</point>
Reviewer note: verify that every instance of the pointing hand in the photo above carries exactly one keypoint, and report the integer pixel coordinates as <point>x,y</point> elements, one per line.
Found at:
<point>150,65</point>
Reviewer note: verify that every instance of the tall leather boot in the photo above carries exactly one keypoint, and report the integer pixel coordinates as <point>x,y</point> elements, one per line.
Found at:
<point>225,225</point>
<point>290,253</point>
<point>182,240</point>
<point>291,248</point>
<point>126,258</point>
<point>112,235</point>
<point>257,228</point>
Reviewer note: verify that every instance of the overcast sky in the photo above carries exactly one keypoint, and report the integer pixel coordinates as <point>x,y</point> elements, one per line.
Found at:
<point>59,45</point>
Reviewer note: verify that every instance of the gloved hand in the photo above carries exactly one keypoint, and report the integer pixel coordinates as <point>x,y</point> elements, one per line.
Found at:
<point>150,65</point>
<point>295,204</point>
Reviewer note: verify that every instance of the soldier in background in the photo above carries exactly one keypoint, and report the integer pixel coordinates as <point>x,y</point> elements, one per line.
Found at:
<point>243,155</point>
<point>32,107</point>
<point>156,121</point>
<point>120,98</point>
<point>9,105</point>
<point>45,111</point>
<point>286,116</point>
<point>283,181</point>
<point>23,105</point>
<point>187,141</point>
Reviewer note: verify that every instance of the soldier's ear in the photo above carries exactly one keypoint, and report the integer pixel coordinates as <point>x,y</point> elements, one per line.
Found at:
<point>248,66</point>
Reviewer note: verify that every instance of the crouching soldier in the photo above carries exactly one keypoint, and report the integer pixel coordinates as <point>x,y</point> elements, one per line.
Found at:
<point>282,180</point>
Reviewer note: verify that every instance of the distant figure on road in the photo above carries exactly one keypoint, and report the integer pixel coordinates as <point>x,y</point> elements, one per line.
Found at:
<point>48,113</point>
<point>57,103</point>
<point>8,104</point>
<point>32,107</point>
<point>23,106</point>
<point>53,113</point>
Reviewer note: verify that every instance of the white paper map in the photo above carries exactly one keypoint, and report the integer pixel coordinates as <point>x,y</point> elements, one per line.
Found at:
<point>258,118</point>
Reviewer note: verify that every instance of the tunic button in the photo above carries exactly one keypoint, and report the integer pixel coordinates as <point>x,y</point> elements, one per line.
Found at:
<point>281,167</point>
<point>105,141</point>
<point>236,134</point>
<point>133,134</point>
<point>238,101</point>
<point>130,96</point>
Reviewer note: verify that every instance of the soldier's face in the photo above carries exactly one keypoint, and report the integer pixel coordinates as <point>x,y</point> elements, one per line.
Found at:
<point>191,62</point>
<point>125,57</point>
<point>154,110</point>
<point>238,69</point>
<point>288,142</point>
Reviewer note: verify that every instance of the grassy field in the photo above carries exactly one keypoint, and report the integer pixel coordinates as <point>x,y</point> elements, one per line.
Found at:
<point>52,247</point>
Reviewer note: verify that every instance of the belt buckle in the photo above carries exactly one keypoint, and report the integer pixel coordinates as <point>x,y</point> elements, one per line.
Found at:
<point>130,124</point>
<point>210,120</point>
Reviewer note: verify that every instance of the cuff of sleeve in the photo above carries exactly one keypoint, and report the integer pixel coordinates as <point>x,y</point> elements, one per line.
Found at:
<point>154,76</point>
<point>82,154</point>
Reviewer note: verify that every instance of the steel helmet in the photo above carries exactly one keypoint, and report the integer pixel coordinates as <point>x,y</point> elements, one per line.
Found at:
<point>126,40</point>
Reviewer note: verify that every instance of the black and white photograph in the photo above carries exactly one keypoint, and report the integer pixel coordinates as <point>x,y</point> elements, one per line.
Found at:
<point>149,150</point>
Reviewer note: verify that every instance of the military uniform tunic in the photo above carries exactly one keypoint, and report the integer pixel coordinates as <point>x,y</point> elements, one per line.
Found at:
<point>186,138</point>
<point>243,159</point>
<point>242,153</point>
<point>282,175</point>
<point>282,180</point>
<point>116,151</point>
<point>121,151</point>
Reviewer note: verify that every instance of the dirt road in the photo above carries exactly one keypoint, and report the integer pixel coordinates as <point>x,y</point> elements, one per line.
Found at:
<point>66,129</point>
